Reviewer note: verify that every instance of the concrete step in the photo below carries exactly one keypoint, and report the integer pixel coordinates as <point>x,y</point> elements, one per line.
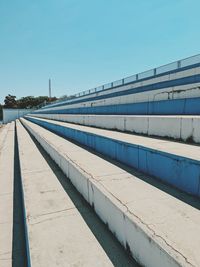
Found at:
<point>58,232</point>
<point>146,220</point>
<point>183,106</point>
<point>170,93</point>
<point>166,87</point>
<point>6,193</point>
<point>183,128</point>
<point>174,163</point>
<point>3,134</point>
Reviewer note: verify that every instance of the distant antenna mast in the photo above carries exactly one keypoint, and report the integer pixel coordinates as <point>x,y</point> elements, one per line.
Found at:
<point>49,88</point>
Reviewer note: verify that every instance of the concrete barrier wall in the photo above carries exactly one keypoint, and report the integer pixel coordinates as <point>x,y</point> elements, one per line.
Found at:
<point>183,173</point>
<point>145,246</point>
<point>184,128</point>
<point>11,114</point>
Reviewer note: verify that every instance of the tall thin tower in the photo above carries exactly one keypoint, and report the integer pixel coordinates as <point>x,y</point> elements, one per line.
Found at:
<point>49,88</point>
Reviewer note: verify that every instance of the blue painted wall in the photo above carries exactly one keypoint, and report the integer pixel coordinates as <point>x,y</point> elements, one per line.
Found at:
<point>187,106</point>
<point>182,173</point>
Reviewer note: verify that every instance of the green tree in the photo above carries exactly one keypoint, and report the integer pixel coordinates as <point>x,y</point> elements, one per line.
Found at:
<point>10,101</point>
<point>32,102</point>
<point>27,101</point>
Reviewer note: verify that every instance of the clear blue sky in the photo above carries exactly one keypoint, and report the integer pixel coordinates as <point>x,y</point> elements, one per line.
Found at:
<point>81,44</point>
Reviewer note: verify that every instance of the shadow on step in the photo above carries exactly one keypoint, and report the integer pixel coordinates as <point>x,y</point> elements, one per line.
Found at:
<point>169,189</point>
<point>116,253</point>
<point>19,258</point>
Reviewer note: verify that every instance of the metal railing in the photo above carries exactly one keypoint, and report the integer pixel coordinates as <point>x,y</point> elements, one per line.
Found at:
<point>139,76</point>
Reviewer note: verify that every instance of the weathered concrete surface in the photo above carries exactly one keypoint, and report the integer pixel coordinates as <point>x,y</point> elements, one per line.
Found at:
<point>174,163</point>
<point>175,91</point>
<point>179,149</point>
<point>57,233</point>
<point>176,127</point>
<point>6,194</point>
<point>157,228</point>
<point>11,114</point>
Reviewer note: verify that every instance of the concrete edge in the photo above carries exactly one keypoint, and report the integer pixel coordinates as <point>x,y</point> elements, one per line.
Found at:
<point>170,127</point>
<point>145,247</point>
<point>23,203</point>
<point>164,166</point>
<point>7,143</point>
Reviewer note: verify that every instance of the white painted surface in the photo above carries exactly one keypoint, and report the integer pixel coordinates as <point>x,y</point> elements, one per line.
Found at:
<point>6,194</point>
<point>175,127</point>
<point>167,146</point>
<point>57,233</point>
<point>11,114</point>
<point>176,92</point>
<point>151,222</point>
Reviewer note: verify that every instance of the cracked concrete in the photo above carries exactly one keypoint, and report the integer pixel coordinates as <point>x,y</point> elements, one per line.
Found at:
<point>181,128</point>
<point>58,222</point>
<point>181,91</point>
<point>141,211</point>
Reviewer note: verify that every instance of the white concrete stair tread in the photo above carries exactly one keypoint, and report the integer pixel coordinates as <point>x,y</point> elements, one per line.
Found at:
<point>171,147</point>
<point>121,116</point>
<point>57,234</point>
<point>185,128</point>
<point>6,193</point>
<point>171,223</point>
<point>3,133</point>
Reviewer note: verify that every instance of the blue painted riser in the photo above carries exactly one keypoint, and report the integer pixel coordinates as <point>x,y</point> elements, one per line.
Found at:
<point>182,173</point>
<point>188,106</point>
<point>150,87</point>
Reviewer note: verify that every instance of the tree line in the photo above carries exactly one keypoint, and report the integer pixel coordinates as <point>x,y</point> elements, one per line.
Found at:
<point>26,102</point>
